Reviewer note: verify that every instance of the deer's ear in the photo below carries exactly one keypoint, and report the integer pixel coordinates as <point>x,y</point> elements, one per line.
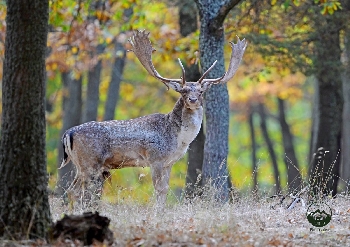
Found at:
<point>175,86</point>
<point>206,86</point>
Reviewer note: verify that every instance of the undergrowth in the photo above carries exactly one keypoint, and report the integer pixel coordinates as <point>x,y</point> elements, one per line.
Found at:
<point>245,221</point>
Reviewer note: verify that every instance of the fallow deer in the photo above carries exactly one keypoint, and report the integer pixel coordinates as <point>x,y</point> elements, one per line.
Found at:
<point>156,141</point>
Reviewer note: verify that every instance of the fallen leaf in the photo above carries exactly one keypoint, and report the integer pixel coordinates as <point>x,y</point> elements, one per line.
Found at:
<point>275,242</point>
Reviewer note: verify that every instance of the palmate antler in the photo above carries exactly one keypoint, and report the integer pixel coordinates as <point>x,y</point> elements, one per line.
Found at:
<point>143,50</point>
<point>236,58</point>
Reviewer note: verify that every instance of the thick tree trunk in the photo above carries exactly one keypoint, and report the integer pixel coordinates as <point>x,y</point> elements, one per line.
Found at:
<point>290,159</point>
<point>324,178</point>
<point>188,25</point>
<point>72,102</point>
<point>211,42</point>
<point>24,206</point>
<point>270,148</point>
<point>116,78</point>
<point>93,89</point>
<point>253,154</point>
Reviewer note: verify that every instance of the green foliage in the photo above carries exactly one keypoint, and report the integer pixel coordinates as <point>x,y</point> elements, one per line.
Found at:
<point>328,6</point>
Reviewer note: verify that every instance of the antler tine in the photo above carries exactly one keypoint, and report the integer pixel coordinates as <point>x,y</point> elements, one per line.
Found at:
<point>183,72</point>
<point>142,47</point>
<point>236,57</point>
<point>206,72</point>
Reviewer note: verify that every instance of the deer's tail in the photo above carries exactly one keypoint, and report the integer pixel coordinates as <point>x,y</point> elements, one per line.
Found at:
<point>67,142</point>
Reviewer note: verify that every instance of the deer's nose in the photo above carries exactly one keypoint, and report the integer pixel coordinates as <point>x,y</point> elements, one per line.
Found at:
<point>192,99</point>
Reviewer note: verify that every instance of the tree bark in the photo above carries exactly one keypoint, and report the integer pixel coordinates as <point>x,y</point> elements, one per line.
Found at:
<point>345,171</point>
<point>188,25</point>
<point>72,102</point>
<point>290,159</point>
<point>211,42</point>
<point>314,125</point>
<point>24,206</point>
<point>117,72</point>
<point>187,17</point>
<point>253,154</point>
<point>194,168</point>
<point>114,85</point>
<point>93,89</point>
<point>324,178</point>
<point>270,148</point>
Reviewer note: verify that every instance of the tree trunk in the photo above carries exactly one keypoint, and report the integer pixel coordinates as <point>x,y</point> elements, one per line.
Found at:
<point>345,171</point>
<point>195,161</point>
<point>253,145</point>
<point>261,110</point>
<point>188,25</point>
<point>187,17</point>
<point>72,101</point>
<point>314,125</point>
<point>324,179</point>
<point>93,89</point>
<point>114,85</point>
<point>117,71</point>
<point>211,42</point>
<point>24,206</point>
<point>290,159</point>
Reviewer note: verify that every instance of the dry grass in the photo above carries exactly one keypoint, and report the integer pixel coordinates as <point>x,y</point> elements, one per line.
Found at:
<point>245,222</point>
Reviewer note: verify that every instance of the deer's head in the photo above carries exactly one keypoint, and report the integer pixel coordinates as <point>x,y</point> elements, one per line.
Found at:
<point>191,92</point>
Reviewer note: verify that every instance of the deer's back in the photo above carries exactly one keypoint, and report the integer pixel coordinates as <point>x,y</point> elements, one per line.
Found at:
<point>124,143</point>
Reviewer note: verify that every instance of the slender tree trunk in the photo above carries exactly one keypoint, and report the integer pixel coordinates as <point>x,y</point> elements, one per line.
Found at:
<point>187,17</point>
<point>114,85</point>
<point>195,161</point>
<point>24,206</point>
<point>314,125</point>
<point>72,102</point>
<point>93,89</point>
<point>253,154</point>
<point>290,159</point>
<point>117,71</point>
<point>345,171</point>
<point>324,178</point>
<point>270,148</point>
<point>211,42</point>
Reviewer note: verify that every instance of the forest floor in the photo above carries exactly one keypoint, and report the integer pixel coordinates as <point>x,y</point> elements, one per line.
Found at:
<point>245,222</point>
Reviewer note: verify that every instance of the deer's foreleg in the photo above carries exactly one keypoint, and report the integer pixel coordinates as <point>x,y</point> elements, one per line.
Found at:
<point>160,178</point>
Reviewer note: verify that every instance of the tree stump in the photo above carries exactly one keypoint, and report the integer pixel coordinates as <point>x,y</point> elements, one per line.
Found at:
<point>87,228</point>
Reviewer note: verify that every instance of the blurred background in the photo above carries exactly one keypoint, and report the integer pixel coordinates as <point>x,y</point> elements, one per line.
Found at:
<point>274,97</point>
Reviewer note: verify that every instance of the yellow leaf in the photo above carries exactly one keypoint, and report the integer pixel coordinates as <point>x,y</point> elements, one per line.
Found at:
<point>54,66</point>
<point>108,40</point>
<point>330,10</point>
<point>296,2</point>
<point>74,50</point>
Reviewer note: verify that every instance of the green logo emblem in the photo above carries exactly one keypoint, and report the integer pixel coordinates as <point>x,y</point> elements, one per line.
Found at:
<point>319,214</point>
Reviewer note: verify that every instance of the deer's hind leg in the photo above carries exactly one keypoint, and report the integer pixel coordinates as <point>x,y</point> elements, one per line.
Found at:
<point>91,187</point>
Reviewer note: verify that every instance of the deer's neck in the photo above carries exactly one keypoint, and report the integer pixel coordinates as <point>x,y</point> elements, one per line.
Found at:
<point>187,123</point>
